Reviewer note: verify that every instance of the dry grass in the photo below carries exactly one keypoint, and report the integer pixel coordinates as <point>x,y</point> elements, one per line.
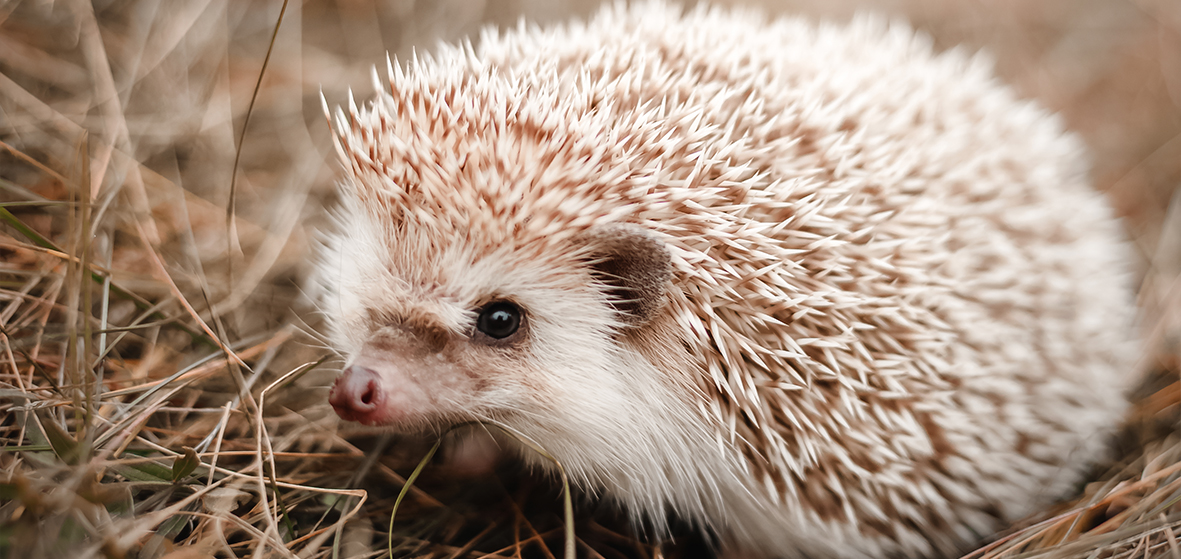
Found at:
<point>162,392</point>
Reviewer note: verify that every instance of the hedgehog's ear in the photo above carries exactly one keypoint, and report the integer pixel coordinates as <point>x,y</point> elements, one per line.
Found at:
<point>634,266</point>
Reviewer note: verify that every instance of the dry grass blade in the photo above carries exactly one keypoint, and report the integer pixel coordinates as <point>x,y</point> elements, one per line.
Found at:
<point>231,207</point>
<point>406,489</point>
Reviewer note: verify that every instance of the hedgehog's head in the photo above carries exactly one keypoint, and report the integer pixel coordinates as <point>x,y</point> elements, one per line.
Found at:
<point>445,329</point>
<point>489,264</point>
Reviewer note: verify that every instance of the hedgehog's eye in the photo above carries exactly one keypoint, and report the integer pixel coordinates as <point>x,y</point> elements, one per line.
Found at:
<point>499,320</point>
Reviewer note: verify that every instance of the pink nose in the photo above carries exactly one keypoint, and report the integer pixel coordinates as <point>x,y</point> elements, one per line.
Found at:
<point>357,395</point>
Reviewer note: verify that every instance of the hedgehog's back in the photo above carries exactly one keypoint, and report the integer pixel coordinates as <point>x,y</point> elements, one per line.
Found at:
<point>892,233</point>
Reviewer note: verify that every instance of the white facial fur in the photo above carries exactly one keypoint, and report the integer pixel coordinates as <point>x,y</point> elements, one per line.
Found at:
<point>571,381</point>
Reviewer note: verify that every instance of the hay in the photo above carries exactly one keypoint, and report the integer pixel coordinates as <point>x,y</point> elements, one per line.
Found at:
<point>162,389</point>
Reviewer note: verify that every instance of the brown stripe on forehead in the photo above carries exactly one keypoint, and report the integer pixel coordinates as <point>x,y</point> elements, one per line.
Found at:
<point>378,318</point>
<point>428,330</point>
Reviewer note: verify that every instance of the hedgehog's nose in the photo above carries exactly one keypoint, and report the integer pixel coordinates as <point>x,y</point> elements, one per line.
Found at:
<point>356,396</point>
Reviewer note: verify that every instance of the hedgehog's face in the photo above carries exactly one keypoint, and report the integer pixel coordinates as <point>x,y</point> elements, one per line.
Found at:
<point>440,332</point>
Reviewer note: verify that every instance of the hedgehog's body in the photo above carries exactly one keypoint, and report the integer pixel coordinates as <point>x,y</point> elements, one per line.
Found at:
<point>817,289</point>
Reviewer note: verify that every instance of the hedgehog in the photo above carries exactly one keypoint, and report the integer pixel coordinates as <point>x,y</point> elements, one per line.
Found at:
<point>817,289</point>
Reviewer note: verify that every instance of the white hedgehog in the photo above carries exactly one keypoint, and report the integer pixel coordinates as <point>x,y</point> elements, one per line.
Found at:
<point>817,289</point>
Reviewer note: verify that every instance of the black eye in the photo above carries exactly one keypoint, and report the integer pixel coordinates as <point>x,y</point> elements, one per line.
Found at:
<point>499,320</point>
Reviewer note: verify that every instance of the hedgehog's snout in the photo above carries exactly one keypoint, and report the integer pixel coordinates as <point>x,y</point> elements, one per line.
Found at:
<point>357,394</point>
<point>405,381</point>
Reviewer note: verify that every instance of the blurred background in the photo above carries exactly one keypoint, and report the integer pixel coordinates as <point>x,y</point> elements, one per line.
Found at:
<point>144,313</point>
